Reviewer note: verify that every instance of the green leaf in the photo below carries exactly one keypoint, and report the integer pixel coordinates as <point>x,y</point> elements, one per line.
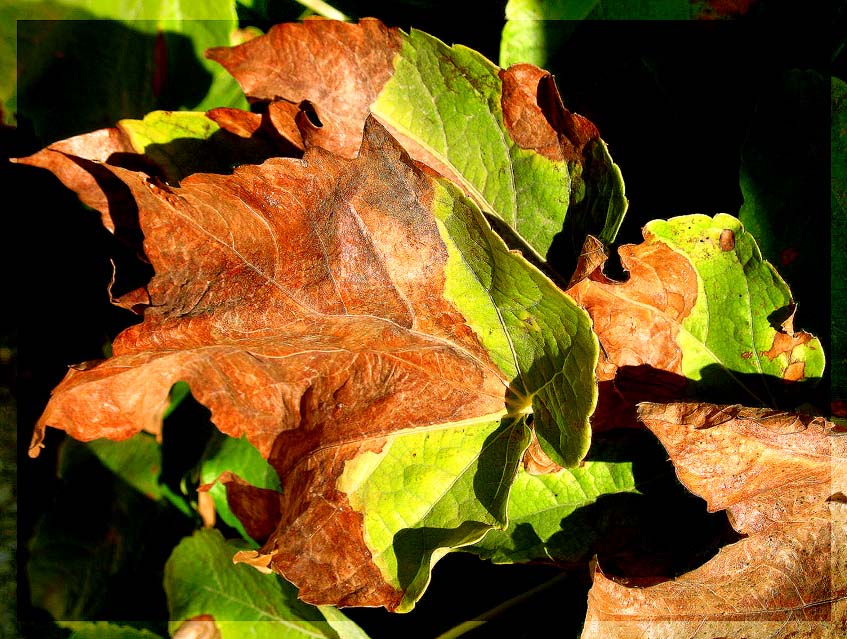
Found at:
<point>138,461</point>
<point>536,29</point>
<point>156,61</point>
<point>201,579</point>
<point>240,457</point>
<point>539,505</point>
<point>100,543</point>
<point>105,630</point>
<point>838,240</point>
<point>428,493</point>
<point>535,334</point>
<point>739,332</point>
<point>539,195</point>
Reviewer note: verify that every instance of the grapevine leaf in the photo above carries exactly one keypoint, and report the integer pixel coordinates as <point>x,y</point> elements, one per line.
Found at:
<point>240,457</point>
<point>137,461</point>
<point>79,566</point>
<point>343,314</point>
<point>535,29</point>
<point>776,197</point>
<point>543,496</point>
<point>156,60</point>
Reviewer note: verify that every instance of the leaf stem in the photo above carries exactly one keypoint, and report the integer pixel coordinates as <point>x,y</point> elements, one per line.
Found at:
<point>323,9</point>
<point>467,626</point>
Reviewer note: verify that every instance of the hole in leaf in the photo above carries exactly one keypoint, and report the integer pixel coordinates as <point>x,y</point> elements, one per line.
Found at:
<point>308,109</point>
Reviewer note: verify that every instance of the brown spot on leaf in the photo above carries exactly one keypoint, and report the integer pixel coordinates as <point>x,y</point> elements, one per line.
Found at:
<point>727,240</point>
<point>199,627</point>
<point>747,354</point>
<point>794,372</point>
<point>784,342</point>
<point>536,461</point>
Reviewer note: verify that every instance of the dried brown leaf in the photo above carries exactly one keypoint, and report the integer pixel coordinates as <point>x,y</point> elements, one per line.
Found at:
<point>73,162</point>
<point>759,465</point>
<point>290,62</point>
<point>780,477</point>
<point>637,322</point>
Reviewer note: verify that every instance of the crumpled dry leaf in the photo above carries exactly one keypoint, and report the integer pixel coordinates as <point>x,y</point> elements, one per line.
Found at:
<point>228,295</point>
<point>782,478</point>
<point>638,322</point>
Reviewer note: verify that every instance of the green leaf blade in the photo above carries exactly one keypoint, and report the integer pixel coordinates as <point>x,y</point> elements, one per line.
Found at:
<point>156,61</point>
<point>426,494</point>
<point>240,457</point>
<point>449,100</point>
<point>741,322</point>
<point>537,335</point>
<point>200,579</point>
<point>138,461</point>
<point>540,505</point>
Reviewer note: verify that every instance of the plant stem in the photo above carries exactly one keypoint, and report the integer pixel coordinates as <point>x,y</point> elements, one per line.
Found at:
<point>323,9</point>
<point>467,626</point>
